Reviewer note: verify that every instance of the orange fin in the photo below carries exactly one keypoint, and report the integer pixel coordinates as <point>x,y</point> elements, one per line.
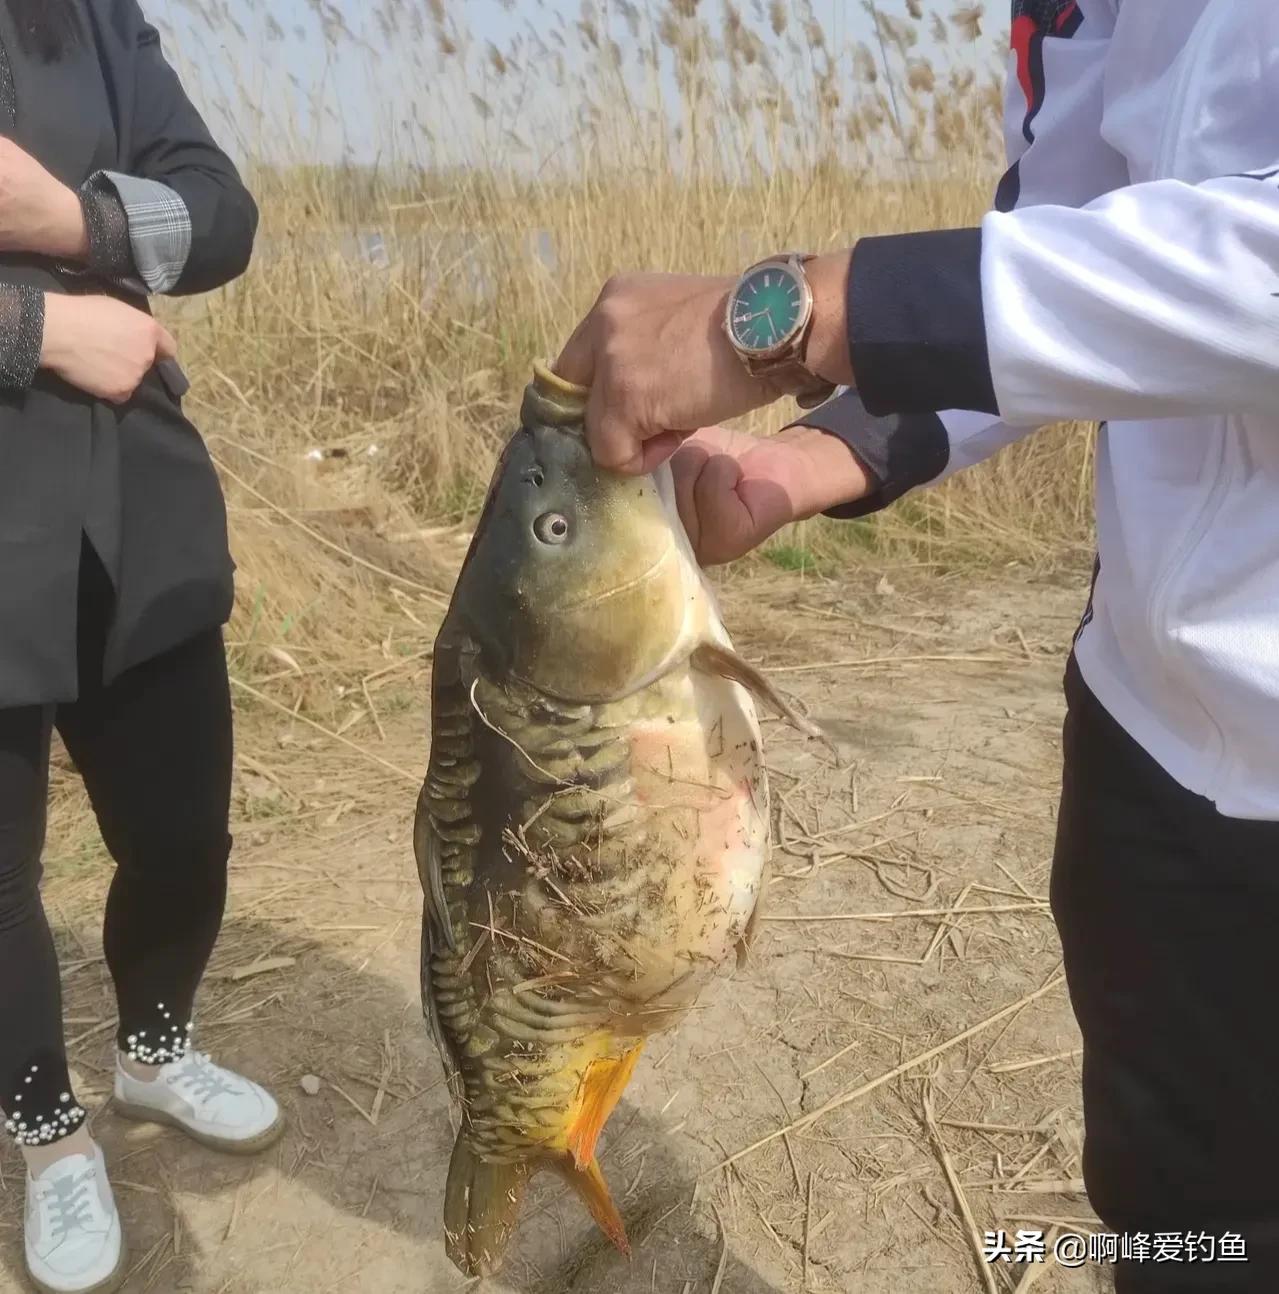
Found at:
<point>591,1188</point>
<point>598,1096</point>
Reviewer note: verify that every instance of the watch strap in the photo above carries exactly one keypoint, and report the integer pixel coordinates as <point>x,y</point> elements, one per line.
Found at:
<point>792,378</point>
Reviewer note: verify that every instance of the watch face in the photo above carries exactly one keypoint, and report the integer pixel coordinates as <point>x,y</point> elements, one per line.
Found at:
<point>766,309</point>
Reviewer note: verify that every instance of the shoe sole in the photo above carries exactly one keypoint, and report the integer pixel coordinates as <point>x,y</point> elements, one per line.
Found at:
<point>108,1286</point>
<point>247,1146</point>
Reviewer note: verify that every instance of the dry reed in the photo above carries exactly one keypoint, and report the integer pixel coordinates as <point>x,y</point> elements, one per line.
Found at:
<point>358,383</point>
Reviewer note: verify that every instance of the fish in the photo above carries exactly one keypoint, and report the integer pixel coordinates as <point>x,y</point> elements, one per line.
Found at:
<point>592,834</point>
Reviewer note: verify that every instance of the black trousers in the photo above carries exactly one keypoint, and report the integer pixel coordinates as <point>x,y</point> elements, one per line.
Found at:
<point>154,750</point>
<point>1169,920</point>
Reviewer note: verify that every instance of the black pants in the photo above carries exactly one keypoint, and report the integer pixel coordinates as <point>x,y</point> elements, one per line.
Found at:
<point>154,750</point>
<point>1169,919</point>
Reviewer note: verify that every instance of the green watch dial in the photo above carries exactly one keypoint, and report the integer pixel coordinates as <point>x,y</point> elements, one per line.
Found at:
<point>766,308</point>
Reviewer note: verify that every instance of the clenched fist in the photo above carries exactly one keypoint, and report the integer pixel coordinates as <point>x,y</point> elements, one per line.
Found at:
<point>734,490</point>
<point>100,345</point>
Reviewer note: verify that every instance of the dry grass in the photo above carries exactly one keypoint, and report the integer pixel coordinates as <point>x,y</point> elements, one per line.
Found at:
<point>636,136</point>
<point>896,1070</point>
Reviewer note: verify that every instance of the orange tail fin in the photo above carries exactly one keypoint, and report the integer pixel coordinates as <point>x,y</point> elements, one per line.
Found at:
<point>592,1190</point>
<point>600,1092</point>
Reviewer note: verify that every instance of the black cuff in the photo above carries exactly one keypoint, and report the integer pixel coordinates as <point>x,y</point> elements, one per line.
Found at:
<point>916,323</point>
<point>899,452</point>
<point>21,335</point>
<point>110,249</point>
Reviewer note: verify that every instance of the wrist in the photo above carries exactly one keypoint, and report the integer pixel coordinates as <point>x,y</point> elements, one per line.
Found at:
<point>66,232</point>
<point>54,330</point>
<point>829,474</point>
<point>827,353</point>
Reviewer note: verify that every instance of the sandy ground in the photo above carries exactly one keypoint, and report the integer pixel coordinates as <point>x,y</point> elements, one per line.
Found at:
<point>943,696</point>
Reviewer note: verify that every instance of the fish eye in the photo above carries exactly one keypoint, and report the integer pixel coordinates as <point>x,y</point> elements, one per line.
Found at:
<point>551,528</point>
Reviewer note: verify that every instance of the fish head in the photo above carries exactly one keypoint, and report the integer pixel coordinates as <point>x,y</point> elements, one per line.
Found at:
<point>580,582</point>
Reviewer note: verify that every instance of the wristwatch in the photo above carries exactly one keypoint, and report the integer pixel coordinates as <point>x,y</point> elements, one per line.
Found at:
<point>768,319</point>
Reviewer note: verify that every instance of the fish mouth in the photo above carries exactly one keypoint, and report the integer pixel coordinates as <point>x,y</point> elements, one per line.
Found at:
<point>626,585</point>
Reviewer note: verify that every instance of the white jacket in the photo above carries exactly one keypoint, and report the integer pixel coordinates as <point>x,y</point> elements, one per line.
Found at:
<point>1134,280</point>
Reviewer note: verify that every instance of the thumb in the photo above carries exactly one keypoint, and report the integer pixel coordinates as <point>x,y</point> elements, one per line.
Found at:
<point>165,346</point>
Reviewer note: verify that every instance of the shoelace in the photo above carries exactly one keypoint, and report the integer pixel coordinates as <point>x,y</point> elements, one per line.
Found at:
<point>203,1078</point>
<point>66,1200</point>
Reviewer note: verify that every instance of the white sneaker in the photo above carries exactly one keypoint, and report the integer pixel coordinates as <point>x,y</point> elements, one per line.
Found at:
<point>217,1108</point>
<point>73,1230</point>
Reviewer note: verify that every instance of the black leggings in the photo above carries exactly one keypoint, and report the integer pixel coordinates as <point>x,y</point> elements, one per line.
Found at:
<point>154,750</point>
<point>1169,919</point>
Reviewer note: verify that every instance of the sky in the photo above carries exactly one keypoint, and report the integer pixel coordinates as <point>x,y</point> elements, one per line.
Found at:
<point>242,82</point>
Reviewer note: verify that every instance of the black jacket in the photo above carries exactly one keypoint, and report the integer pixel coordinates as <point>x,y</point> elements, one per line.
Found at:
<point>136,479</point>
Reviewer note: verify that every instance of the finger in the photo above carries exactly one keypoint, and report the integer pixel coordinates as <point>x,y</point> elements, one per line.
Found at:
<point>721,518</point>
<point>614,442</point>
<point>686,467</point>
<point>165,345</point>
<point>657,449</point>
<point>576,362</point>
<point>715,439</point>
<point>615,448</point>
<point>600,438</point>
<point>767,505</point>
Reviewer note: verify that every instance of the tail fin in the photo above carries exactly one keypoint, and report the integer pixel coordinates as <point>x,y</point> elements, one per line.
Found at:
<point>592,1190</point>
<point>481,1201</point>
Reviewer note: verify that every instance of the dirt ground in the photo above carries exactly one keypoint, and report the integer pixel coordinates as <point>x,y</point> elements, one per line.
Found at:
<point>871,1077</point>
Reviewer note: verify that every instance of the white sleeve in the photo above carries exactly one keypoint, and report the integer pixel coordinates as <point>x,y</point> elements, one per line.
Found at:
<point>1158,301</point>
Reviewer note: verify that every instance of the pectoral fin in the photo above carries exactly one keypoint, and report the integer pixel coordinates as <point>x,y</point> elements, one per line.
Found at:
<point>712,658</point>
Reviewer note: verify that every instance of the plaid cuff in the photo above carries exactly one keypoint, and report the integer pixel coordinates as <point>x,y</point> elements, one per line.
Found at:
<point>157,227</point>
<point>21,335</point>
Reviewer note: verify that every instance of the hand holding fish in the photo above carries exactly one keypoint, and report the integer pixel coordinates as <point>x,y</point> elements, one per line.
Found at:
<point>659,364</point>
<point>734,489</point>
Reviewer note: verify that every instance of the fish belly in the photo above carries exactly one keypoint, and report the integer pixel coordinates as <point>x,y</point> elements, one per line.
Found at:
<point>702,778</point>
<point>666,894</point>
